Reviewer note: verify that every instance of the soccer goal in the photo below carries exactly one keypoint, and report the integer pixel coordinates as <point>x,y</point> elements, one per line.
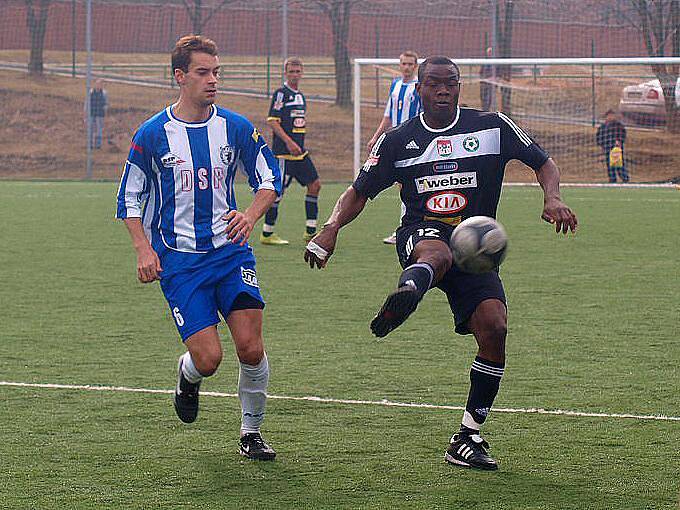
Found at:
<point>559,102</point>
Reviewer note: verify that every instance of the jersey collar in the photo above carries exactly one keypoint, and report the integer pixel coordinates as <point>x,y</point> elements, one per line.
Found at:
<point>184,123</point>
<point>441,130</point>
<point>285,84</point>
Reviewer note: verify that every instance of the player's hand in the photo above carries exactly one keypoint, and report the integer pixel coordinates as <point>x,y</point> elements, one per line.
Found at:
<point>148,265</point>
<point>556,212</point>
<point>321,247</point>
<point>239,226</point>
<point>294,148</point>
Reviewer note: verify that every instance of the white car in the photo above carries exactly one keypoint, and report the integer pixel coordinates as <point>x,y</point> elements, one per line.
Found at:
<point>644,103</point>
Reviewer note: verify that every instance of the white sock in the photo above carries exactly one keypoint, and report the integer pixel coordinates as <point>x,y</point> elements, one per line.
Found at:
<point>189,369</point>
<point>252,391</point>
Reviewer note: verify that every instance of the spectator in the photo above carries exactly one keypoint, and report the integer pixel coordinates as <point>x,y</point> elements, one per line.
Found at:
<point>98,105</point>
<point>611,137</point>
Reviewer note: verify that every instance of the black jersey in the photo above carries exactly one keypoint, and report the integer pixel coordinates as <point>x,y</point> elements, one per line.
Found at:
<point>289,108</point>
<point>448,174</point>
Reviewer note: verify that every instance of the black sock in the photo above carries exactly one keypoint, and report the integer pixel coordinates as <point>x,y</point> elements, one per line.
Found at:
<point>485,379</point>
<point>311,212</point>
<point>419,276</point>
<point>270,219</point>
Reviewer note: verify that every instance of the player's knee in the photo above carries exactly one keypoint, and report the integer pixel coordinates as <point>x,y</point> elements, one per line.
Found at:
<point>207,361</point>
<point>251,353</point>
<point>313,188</point>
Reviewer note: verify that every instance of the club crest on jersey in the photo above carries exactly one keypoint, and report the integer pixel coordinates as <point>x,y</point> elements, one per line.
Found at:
<point>444,147</point>
<point>446,202</point>
<point>471,143</point>
<point>249,277</point>
<point>171,161</point>
<point>227,154</point>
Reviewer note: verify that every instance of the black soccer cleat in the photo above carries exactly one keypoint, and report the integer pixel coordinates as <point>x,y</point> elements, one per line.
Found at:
<point>252,446</point>
<point>186,397</point>
<point>470,451</point>
<point>396,309</point>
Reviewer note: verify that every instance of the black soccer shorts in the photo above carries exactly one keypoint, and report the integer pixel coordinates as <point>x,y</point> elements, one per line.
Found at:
<point>464,291</point>
<point>302,170</point>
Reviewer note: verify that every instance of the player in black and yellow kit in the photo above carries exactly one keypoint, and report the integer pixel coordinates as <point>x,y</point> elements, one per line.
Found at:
<point>450,163</point>
<point>288,122</point>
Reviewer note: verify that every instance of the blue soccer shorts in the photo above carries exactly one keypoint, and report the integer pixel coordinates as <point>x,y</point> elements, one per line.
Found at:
<point>196,294</point>
<point>464,291</point>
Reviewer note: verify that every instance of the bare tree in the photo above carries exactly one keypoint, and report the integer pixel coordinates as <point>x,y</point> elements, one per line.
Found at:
<point>36,19</point>
<point>504,23</point>
<point>200,14</point>
<point>338,11</point>
<point>659,25</point>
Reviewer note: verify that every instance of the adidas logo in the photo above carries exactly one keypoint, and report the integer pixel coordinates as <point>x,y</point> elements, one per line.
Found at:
<point>412,145</point>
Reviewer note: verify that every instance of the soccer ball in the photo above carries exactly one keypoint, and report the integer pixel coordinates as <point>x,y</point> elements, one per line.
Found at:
<point>478,244</point>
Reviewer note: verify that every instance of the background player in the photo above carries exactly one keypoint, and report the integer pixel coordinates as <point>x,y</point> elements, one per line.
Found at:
<point>287,120</point>
<point>456,173</point>
<point>403,103</point>
<point>177,200</point>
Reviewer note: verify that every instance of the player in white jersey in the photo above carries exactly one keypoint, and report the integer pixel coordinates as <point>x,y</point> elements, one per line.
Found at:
<point>176,198</point>
<point>403,103</point>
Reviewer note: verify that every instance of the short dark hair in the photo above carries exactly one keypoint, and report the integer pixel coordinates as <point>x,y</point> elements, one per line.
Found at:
<point>185,46</point>
<point>435,60</point>
<point>609,112</point>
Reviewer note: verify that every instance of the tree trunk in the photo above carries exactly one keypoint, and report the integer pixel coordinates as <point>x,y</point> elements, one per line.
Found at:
<point>339,16</point>
<point>37,24</point>
<point>505,36</point>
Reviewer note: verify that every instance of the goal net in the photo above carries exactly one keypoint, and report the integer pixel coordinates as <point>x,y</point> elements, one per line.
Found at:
<point>559,102</point>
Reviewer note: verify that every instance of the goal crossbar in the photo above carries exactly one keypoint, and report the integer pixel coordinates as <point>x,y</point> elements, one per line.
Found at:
<point>359,62</point>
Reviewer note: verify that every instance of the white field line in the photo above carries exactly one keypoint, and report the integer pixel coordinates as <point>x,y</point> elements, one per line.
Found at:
<point>598,185</point>
<point>384,403</point>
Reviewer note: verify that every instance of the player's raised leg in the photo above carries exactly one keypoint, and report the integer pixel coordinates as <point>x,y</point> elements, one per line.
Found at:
<point>488,323</point>
<point>427,257</point>
<point>246,330</point>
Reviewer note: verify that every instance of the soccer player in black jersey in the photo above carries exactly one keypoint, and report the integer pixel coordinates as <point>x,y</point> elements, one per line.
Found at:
<point>288,122</point>
<point>450,162</point>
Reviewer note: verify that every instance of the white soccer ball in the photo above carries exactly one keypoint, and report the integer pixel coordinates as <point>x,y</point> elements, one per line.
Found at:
<point>478,244</point>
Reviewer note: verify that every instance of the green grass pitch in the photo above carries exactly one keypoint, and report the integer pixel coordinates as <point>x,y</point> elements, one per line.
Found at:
<point>594,327</point>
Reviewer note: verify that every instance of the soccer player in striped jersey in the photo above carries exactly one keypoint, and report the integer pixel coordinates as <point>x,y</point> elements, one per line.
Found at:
<point>177,200</point>
<point>403,104</point>
<point>287,118</point>
<point>450,162</point>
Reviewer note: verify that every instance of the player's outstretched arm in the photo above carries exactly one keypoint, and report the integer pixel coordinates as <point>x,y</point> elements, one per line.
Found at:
<point>321,247</point>
<point>148,264</point>
<point>554,210</point>
<point>382,127</point>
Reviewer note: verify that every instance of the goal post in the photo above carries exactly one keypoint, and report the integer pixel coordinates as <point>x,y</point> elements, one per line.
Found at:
<point>559,101</point>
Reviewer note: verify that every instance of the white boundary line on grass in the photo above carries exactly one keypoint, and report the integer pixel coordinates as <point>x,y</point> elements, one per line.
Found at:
<point>384,403</point>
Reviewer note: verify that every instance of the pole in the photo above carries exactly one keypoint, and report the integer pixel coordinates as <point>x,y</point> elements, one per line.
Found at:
<point>73,39</point>
<point>592,81</point>
<point>284,34</point>
<point>88,84</point>
<point>357,117</point>
<point>268,44</point>
<point>494,51</point>
<point>377,74</point>
<point>171,44</point>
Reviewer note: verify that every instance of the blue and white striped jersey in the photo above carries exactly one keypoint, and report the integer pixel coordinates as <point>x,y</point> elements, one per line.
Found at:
<point>403,102</point>
<point>179,177</point>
